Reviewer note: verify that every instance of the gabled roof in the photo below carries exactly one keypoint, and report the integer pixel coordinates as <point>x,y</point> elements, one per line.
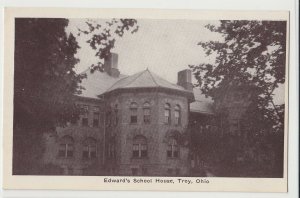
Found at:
<point>144,79</point>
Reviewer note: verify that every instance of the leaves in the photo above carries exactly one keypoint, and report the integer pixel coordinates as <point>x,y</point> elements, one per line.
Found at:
<point>102,38</point>
<point>251,55</point>
<point>250,60</point>
<point>45,84</point>
<point>44,75</point>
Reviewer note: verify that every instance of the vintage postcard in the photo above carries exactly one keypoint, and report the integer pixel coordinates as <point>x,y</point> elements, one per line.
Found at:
<point>141,99</point>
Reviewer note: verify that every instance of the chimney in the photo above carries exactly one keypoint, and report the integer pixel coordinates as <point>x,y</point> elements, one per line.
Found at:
<point>111,65</point>
<point>184,79</point>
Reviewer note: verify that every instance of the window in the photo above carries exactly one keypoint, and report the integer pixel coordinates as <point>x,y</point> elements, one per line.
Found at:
<point>167,113</point>
<point>172,150</point>
<point>140,149</point>
<point>177,115</point>
<point>96,117</point>
<point>90,148</point>
<point>73,119</point>
<point>146,110</point>
<point>116,120</point>
<point>133,112</point>
<point>108,118</point>
<point>66,147</point>
<point>85,114</point>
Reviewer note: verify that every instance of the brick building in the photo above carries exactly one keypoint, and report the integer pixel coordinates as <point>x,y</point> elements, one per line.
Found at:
<point>131,125</point>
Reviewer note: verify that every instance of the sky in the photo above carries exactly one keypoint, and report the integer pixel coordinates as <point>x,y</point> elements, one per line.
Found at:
<point>163,46</point>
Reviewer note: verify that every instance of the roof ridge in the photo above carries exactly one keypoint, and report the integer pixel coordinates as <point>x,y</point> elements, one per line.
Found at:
<point>136,77</point>
<point>122,79</point>
<point>153,78</point>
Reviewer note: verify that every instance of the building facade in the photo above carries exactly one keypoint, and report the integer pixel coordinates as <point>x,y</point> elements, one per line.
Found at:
<point>130,125</point>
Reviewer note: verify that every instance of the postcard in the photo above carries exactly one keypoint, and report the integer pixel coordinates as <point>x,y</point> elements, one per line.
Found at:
<point>145,99</point>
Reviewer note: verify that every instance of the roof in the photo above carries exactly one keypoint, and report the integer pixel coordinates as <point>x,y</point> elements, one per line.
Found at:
<point>144,79</point>
<point>202,104</point>
<point>97,83</point>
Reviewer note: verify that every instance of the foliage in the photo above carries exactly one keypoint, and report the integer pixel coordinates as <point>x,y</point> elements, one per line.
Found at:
<point>45,82</point>
<point>44,85</point>
<point>251,54</point>
<point>102,37</point>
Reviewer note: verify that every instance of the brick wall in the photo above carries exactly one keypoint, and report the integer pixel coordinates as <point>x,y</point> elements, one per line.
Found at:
<point>77,164</point>
<point>156,133</point>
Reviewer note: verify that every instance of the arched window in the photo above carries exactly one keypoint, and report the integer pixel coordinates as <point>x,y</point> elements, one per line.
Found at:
<point>146,110</point>
<point>167,113</point>
<point>66,147</point>
<point>89,148</point>
<point>139,149</point>
<point>172,150</point>
<point>177,115</point>
<point>133,112</point>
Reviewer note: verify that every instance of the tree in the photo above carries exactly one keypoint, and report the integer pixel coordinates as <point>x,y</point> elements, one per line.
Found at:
<point>102,37</point>
<point>45,82</point>
<point>251,55</point>
<point>44,85</point>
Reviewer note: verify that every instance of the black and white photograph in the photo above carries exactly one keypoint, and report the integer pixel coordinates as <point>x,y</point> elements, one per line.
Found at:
<point>149,100</point>
<point>128,97</point>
